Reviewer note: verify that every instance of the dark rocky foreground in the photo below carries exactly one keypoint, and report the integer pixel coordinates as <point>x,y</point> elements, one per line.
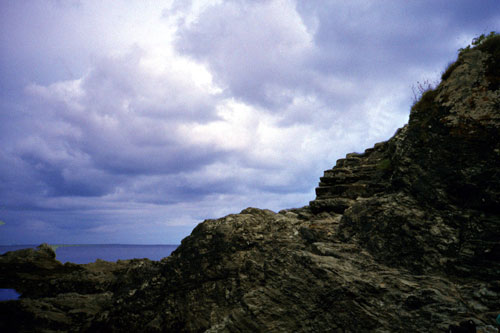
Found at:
<point>404,237</point>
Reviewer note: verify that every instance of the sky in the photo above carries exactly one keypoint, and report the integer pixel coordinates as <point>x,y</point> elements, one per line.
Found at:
<point>132,121</point>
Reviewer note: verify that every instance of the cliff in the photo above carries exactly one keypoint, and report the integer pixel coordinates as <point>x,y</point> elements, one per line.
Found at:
<point>404,237</point>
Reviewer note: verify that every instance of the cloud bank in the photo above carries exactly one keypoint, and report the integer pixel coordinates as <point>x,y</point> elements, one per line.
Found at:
<point>132,122</point>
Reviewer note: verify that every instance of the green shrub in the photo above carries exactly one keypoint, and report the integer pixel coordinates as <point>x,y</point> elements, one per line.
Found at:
<point>486,43</point>
<point>478,41</point>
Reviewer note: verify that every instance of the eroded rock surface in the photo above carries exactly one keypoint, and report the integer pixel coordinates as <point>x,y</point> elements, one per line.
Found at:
<point>404,237</point>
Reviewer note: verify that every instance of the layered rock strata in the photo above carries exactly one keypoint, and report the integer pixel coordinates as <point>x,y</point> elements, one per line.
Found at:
<point>402,238</point>
<point>353,177</point>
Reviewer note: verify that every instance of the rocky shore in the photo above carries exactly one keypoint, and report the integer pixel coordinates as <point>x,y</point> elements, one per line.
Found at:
<point>404,237</point>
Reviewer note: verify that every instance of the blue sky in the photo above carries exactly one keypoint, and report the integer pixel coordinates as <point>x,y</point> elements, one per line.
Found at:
<point>132,121</point>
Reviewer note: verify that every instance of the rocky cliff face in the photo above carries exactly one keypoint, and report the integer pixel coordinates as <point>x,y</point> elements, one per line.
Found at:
<point>431,193</point>
<point>404,237</point>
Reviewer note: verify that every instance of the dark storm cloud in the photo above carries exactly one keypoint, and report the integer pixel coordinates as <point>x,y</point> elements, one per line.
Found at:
<point>416,31</point>
<point>93,131</point>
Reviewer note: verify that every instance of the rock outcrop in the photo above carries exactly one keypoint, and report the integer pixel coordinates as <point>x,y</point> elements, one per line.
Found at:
<point>63,297</point>
<point>404,237</point>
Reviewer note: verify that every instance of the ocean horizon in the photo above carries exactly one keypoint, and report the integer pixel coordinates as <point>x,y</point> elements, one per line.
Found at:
<point>87,253</point>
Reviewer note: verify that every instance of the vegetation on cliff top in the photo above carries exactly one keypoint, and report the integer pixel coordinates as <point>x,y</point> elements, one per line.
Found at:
<point>425,93</point>
<point>487,43</point>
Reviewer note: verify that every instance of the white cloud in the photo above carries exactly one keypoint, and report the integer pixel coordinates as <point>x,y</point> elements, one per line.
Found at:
<point>250,48</point>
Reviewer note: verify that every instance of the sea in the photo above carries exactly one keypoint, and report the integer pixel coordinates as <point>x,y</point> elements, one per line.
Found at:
<point>87,253</point>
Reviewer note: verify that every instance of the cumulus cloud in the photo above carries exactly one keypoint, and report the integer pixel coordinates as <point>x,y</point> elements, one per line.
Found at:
<point>149,117</point>
<point>254,49</point>
<point>304,65</point>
